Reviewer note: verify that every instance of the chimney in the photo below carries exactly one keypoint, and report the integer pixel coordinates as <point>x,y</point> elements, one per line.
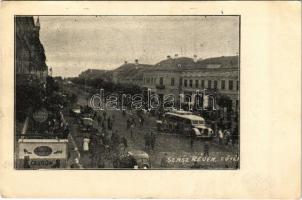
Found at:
<point>136,61</point>
<point>195,58</point>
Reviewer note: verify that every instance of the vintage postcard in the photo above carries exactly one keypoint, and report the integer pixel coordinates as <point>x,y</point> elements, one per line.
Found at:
<point>124,103</point>
<point>179,92</point>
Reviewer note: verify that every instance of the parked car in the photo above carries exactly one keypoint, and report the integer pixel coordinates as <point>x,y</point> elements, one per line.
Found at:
<point>135,159</point>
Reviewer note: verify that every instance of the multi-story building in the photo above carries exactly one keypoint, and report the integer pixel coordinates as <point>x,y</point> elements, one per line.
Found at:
<point>130,73</point>
<point>30,57</point>
<point>185,75</point>
<point>221,77</point>
<point>165,77</point>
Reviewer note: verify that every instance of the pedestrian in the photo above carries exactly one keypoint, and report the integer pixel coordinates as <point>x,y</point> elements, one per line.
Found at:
<point>195,165</point>
<point>57,164</point>
<point>128,124</point>
<point>227,135</point>
<point>103,126</point>
<point>95,115</point>
<point>66,132</point>
<point>164,161</point>
<point>142,120</point>
<point>133,121</point>
<point>99,119</point>
<point>115,140</point>
<point>131,130</point>
<point>220,136</point>
<point>147,140</point>
<point>124,142</point>
<point>206,149</point>
<point>192,138</point>
<point>108,122</point>
<point>113,118</point>
<point>153,140</point>
<point>76,164</point>
<point>26,164</point>
<point>235,135</point>
<point>101,163</point>
<point>86,141</point>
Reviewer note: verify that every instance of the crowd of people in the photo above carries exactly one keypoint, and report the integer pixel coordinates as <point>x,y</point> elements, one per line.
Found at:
<point>106,140</point>
<point>103,140</point>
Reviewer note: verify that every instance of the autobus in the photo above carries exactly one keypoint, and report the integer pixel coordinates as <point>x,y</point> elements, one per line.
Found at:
<point>185,123</point>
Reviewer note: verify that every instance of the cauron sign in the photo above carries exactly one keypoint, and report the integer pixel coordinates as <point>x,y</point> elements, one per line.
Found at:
<point>43,151</point>
<point>40,115</point>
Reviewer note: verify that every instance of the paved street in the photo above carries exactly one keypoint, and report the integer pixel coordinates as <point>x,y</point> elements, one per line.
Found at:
<point>177,148</point>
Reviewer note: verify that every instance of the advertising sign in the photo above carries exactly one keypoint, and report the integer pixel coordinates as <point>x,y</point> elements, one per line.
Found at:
<point>42,149</point>
<point>40,115</point>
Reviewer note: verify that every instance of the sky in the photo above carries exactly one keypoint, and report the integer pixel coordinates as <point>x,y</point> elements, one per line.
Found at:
<point>75,43</point>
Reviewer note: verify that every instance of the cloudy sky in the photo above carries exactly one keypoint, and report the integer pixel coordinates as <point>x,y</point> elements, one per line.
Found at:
<point>75,43</point>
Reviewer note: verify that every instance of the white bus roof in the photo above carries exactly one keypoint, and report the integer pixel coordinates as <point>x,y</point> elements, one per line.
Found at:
<point>181,112</point>
<point>189,116</point>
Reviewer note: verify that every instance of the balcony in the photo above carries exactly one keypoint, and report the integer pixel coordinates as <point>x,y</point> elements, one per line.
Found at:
<point>160,87</point>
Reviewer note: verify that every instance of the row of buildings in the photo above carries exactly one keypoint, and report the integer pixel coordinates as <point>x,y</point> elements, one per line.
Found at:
<point>183,75</point>
<point>30,60</point>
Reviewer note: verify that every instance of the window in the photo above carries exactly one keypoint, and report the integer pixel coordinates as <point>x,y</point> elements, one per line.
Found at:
<point>202,83</point>
<point>151,80</point>
<point>238,85</point>
<point>230,85</point>
<point>148,80</point>
<point>154,80</point>
<point>215,84</point>
<point>196,83</point>
<point>161,80</point>
<point>186,83</point>
<point>172,81</point>
<point>223,84</point>
<point>191,83</point>
<point>209,83</point>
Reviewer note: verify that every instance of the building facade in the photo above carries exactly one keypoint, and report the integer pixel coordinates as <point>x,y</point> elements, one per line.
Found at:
<point>185,76</point>
<point>30,57</point>
<point>224,81</point>
<point>130,73</point>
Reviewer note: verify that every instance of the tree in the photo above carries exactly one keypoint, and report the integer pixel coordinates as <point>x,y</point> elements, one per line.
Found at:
<point>28,96</point>
<point>51,86</point>
<point>224,101</point>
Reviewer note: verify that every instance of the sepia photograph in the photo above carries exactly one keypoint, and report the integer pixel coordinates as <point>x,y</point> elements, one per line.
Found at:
<point>127,92</point>
<point>150,99</point>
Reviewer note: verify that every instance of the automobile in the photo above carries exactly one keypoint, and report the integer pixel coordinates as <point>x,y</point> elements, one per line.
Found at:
<point>75,112</point>
<point>135,159</point>
<point>86,124</point>
<point>185,123</point>
<point>87,121</point>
